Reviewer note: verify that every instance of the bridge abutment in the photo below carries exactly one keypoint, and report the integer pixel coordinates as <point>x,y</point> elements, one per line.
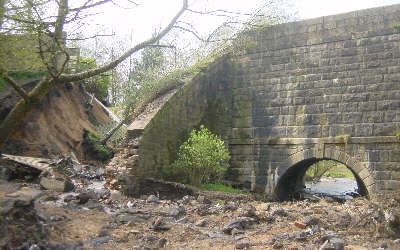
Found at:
<point>325,88</point>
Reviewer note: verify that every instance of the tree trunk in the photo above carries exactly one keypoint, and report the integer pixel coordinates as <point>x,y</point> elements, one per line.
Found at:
<point>22,108</point>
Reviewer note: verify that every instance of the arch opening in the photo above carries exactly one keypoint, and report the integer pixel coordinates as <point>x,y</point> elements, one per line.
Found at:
<point>319,177</point>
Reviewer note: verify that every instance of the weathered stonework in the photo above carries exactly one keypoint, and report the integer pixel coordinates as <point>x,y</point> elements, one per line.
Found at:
<point>325,88</point>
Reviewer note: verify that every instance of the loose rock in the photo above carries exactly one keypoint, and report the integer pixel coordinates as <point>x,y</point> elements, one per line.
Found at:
<point>240,224</point>
<point>56,184</point>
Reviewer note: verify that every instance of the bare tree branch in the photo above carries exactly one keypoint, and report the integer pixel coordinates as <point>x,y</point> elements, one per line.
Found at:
<point>88,6</point>
<point>190,31</point>
<point>113,64</point>
<point>125,8</point>
<point>87,38</point>
<point>225,13</point>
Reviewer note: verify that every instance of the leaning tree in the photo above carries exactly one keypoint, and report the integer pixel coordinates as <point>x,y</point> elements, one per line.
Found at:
<point>46,20</point>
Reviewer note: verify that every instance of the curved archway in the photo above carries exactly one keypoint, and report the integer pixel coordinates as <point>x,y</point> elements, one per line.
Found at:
<point>292,180</point>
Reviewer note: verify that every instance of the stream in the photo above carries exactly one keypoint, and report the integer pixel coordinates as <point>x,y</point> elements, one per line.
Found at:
<point>339,188</point>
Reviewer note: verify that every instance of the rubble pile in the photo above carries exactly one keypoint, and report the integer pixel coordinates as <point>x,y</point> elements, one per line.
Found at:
<point>89,215</point>
<point>122,164</point>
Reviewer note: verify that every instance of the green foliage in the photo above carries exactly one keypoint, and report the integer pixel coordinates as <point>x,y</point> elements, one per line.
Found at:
<point>94,148</point>
<point>20,53</point>
<point>97,85</point>
<point>26,75</point>
<point>152,89</point>
<point>92,119</point>
<point>328,168</point>
<point>318,169</point>
<point>149,67</point>
<point>118,137</point>
<point>203,158</point>
<point>221,188</point>
<point>20,76</point>
<point>396,26</point>
<point>397,133</point>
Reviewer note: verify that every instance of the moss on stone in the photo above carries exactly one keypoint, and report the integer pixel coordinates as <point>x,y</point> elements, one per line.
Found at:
<point>94,149</point>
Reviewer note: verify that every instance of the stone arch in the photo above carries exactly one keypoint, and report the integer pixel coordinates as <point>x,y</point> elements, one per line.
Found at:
<point>291,176</point>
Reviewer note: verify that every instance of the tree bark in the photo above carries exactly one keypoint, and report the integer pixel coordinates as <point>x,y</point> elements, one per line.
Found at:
<point>21,109</point>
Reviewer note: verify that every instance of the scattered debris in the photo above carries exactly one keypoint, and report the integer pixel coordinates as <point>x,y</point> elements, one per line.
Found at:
<point>74,206</point>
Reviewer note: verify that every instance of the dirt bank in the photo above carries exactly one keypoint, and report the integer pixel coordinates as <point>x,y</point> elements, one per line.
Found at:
<point>57,125</point>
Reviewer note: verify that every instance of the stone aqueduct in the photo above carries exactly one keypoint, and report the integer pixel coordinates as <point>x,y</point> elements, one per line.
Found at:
<point>324,88</point>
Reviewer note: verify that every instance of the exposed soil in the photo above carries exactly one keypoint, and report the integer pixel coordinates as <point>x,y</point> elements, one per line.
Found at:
<point>57,125</point>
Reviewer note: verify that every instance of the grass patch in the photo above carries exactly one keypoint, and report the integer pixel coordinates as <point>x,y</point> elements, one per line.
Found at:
<point>339,173</point>
<point>221,188</point>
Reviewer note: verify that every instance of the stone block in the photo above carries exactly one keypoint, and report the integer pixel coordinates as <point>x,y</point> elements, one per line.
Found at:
<point>56,184</point>
<point>242,133</point>
<point>348,107</point>
<point>390,184</point>
<point>367,106</point>
<point>363,130</point>
<point>372,117</point>
<point>388,105</point>
<point>242,122</point>
<point>354,165</point>
<point>394,156</point>
<point>368,182</point>
<point>364,173</point>
<point>352,117</point>
<point>385,129</point>
<point>382,175</point>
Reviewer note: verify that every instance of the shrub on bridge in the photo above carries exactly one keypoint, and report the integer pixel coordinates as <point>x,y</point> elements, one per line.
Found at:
<point>203,158</point>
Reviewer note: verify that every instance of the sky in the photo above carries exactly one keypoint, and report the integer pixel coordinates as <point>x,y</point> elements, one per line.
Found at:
<point>133,24</point>
<point>153,14</point>
<point>317,8</point>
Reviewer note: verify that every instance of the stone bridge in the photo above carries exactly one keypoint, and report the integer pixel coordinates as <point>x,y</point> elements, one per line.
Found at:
<point>292,94</point>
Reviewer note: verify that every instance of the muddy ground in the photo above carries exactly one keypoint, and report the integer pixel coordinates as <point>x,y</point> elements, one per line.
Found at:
<point>93,217</point>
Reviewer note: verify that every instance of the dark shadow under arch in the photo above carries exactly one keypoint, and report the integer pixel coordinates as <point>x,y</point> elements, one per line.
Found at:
<point>292,180</point>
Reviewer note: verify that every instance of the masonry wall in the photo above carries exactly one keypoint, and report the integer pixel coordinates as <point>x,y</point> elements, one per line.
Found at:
<point>325,77</point>
<point>297,87</point>
<point>206,100</point>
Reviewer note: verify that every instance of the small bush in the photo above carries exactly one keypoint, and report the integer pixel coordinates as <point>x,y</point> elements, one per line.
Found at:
<point>203,158</point>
